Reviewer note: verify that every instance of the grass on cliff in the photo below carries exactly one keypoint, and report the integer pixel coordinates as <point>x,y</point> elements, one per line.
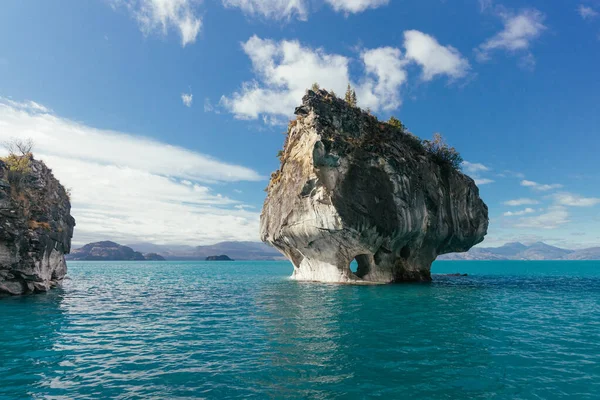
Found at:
<point>18,161</point>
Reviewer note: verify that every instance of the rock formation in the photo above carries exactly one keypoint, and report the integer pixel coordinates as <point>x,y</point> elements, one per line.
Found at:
<point>35,227</point>
<point>352,187</point>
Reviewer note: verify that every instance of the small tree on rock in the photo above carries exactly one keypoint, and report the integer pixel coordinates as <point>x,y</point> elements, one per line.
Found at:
<point>396,123</point>
<point>350,96</point>
<point>18,147</point>
<point>18,159</point>
<point>443,153</point>
<point>315,87</point>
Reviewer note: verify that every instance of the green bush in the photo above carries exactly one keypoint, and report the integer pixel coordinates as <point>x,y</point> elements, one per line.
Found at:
<point>443,153</point>
<point>396,123</point>
<point>18,161</point>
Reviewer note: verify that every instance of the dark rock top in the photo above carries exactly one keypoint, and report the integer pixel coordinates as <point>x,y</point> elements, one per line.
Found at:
<point>352,187</point>
<point>219,258</point>
<point>36,228</point>
<point>111,251</point>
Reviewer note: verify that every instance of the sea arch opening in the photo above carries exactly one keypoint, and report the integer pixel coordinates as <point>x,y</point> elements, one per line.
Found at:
<point>360,265</point>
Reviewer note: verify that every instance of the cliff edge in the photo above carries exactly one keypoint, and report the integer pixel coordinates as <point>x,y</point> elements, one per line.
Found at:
<point>35,226</point>
<point>352,187</point>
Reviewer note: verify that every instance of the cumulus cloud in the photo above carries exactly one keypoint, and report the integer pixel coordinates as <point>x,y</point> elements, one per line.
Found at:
<point>272,9</point>
<point>554,217</point>
<point>385,75</point>
<point>520,30</point>
<point>474,170</point>
<point>285,69</point>
<point>187,99</point>
<point>163,15</point>
<point>574,200</point>
<point>434,58</point>
<point>540,187</point>
<point>521,212</point>
<point>130,188</point>
<point>587,12</point>
<point>355,6</point>
<point>521,202</point>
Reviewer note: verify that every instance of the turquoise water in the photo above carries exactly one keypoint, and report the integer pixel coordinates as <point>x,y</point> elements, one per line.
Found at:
<point>510,330</point>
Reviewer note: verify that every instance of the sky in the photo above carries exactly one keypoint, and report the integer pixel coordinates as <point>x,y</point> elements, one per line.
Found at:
<point>164,117</point>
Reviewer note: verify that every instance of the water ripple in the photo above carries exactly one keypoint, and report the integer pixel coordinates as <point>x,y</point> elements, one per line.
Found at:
<point>243,330</point>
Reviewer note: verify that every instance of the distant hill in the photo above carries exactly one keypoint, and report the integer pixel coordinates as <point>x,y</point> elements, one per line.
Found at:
<point>110,251</point>
<point>235,250</point>
<point>219,258</point>
<point>519,251</point>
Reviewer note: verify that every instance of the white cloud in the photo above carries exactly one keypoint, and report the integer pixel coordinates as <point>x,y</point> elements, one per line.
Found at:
<point>553,218</point>
<point>587,12</point>
<point>433,57</point>
<point>385,75</point>
<point>208,107</point>
<point>355,6</point>
<point>285,69</point>
<point>483,181</point>
<point>521,212</point>
<point>129,188</point>
<point>187,99</point>
<point>272,9</point>
<point>521,202</point>
<point>288,9</point>
<point>519,32</point>
<point>474,168</point>
<point>540,187</point>
<point>574,200</point>
<point>163,15</point>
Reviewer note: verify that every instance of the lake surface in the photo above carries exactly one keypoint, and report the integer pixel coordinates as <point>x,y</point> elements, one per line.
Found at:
<point>169,330</point>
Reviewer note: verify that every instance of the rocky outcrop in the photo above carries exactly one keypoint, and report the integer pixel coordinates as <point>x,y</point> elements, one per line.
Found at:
<point>35,228</point>
<point>351,187</point>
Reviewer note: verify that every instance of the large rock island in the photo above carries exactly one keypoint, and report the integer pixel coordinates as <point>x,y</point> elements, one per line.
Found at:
<point>352,187</point>
<point>35,226</point>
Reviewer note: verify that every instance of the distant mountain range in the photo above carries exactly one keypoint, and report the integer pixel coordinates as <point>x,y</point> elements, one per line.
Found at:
<point>519,251</point>
<point>111,251</point>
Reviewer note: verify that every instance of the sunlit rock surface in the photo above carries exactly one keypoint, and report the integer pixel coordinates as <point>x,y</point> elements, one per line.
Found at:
<point>351,187</point>
<point>35,230</point>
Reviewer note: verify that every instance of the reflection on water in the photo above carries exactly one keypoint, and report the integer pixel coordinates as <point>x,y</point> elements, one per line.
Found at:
<point>206,330</point>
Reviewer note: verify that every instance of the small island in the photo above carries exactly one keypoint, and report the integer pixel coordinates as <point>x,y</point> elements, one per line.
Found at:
<point>222,257</point>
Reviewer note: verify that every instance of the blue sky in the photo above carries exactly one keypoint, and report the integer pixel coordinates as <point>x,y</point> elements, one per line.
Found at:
<point>164,117</point>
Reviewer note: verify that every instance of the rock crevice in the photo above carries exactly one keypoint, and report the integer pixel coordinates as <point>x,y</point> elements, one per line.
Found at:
<point>352,187</point>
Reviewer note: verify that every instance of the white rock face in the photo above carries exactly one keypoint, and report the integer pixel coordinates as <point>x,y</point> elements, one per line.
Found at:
<point>351,187</point>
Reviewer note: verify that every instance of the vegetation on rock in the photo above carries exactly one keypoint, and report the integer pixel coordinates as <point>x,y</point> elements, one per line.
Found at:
<point>443,153</point>
<point>350,97</point>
